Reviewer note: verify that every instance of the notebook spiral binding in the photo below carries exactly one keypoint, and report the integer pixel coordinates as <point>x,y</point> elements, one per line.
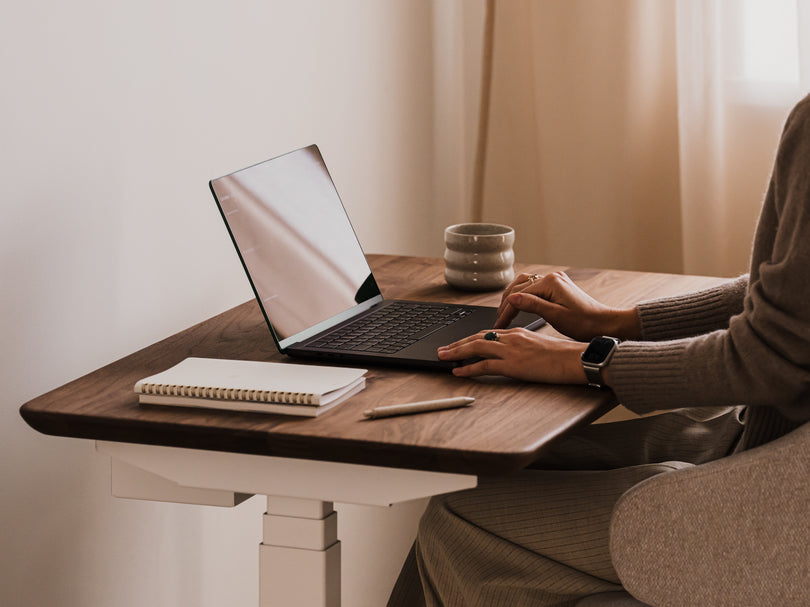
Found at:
<point>261,396</point>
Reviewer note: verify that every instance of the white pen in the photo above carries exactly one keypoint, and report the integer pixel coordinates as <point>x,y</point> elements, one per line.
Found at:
<point>419,407</point>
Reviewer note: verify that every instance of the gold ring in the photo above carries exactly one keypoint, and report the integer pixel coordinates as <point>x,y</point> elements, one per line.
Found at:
<point>533,277</point>
<point>491,336</point>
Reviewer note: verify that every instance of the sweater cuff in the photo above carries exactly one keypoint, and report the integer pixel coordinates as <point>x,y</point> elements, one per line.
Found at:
<point>693,313</point>
<point>645,377</point>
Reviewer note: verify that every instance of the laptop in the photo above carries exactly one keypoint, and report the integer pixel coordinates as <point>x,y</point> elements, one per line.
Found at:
<point>311,278</point>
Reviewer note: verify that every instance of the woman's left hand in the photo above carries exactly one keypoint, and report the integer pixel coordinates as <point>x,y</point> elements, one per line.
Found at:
<point>520,354</point>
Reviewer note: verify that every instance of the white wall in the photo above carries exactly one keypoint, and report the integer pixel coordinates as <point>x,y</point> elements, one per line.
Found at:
<point>113,116</point>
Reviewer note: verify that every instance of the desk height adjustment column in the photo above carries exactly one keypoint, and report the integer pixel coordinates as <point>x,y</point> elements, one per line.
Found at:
<point>299,558</point>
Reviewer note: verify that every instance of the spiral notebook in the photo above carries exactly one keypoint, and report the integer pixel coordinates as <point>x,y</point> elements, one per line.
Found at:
<point>243,385</point>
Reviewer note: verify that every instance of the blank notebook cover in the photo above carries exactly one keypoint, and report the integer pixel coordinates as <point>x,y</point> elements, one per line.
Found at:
<point>244,385</point>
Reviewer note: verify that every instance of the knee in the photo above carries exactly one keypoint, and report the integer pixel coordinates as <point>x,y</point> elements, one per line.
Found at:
<point>433,518</point>
<point>443,526</point>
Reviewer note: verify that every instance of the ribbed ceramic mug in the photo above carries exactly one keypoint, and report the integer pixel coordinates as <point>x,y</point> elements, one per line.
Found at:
<point>479,256</point>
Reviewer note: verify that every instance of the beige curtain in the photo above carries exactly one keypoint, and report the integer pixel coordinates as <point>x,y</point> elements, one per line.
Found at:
<point>742,65</point>
<point>631,133</point>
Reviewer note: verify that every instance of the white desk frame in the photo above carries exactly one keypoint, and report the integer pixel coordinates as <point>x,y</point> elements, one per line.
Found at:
<point>299,557</point>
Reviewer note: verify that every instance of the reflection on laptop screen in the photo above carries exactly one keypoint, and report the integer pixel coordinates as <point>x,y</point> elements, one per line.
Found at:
<point>295,241</point>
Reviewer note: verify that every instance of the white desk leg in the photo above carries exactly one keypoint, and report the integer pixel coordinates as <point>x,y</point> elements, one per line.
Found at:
<point>299,558</point>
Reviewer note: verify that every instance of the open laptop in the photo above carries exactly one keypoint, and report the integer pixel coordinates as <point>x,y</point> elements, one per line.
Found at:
<point>311,277</point>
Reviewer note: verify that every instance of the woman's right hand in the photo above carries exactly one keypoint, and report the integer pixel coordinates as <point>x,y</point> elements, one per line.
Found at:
<point>566,307</point>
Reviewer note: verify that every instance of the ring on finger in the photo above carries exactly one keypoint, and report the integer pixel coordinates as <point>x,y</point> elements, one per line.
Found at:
<point>533,277</point>
<point>491,336</point>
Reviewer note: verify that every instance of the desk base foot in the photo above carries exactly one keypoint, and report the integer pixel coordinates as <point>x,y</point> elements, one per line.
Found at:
<point>299,558</point>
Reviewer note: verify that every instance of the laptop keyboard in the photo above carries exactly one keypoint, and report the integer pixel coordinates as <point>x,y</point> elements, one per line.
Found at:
<point>392,328</point>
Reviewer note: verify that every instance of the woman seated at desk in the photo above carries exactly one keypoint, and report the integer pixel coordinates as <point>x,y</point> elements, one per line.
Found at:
<point>541,537</point>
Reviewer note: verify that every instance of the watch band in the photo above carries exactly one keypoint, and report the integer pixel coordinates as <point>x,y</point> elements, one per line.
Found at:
<point>594,375</point>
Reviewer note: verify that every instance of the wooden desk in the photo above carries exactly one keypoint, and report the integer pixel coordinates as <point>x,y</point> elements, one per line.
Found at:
<point>211,457</point>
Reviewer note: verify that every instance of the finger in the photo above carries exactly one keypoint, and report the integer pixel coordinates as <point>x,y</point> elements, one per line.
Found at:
<point>481,335</point>
<point>489,366</point>
<point>465,340</point>
<point>523,301</point>
<point>521,278</point>
<point>520,283</point>
<point>468,341</point>
<point>504,300</point>
<point>513,287</point>
<point>471,348</point>
<point>506,316</point>
<point>527,277</point>
<point>534,304</point>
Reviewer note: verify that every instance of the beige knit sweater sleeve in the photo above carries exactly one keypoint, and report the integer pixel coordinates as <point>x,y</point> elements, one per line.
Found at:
<point>747,341</point>
<point>694,313</point>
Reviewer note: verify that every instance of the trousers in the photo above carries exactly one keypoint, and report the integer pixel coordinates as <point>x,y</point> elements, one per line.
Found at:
<point>540,537</point>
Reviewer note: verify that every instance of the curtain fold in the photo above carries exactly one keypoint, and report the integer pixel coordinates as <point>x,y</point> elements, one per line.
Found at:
<point>634,134</point>
<point>731,109</point>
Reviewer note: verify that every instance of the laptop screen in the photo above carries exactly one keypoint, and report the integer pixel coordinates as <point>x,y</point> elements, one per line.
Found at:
<point>296,243</point>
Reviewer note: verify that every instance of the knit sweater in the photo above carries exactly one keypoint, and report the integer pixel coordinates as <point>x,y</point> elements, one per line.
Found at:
<point>747,341</point>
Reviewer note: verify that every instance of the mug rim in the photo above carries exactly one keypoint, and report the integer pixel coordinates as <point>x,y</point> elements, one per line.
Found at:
<point>501,229</point>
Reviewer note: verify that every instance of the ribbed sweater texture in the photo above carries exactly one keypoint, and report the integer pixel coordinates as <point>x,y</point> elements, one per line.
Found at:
<point>747,341</point>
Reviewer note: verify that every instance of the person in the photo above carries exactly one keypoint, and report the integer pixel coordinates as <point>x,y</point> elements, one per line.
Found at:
<point>728,366</point>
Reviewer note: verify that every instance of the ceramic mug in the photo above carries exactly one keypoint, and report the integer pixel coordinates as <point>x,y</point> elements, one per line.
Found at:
<point>479,256</point>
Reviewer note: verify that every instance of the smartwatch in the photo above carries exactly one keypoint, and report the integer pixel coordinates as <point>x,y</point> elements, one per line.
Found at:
<point>596,357</point>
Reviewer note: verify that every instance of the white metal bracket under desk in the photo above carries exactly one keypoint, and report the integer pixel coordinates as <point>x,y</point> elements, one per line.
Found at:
<point>299,557</point>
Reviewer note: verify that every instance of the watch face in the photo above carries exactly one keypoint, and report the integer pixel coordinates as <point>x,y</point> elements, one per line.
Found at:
<point>598,350</point>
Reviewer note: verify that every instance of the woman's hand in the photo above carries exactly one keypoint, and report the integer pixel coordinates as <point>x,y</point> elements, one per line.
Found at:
<point>520,354</point>
<point>566,307</point>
